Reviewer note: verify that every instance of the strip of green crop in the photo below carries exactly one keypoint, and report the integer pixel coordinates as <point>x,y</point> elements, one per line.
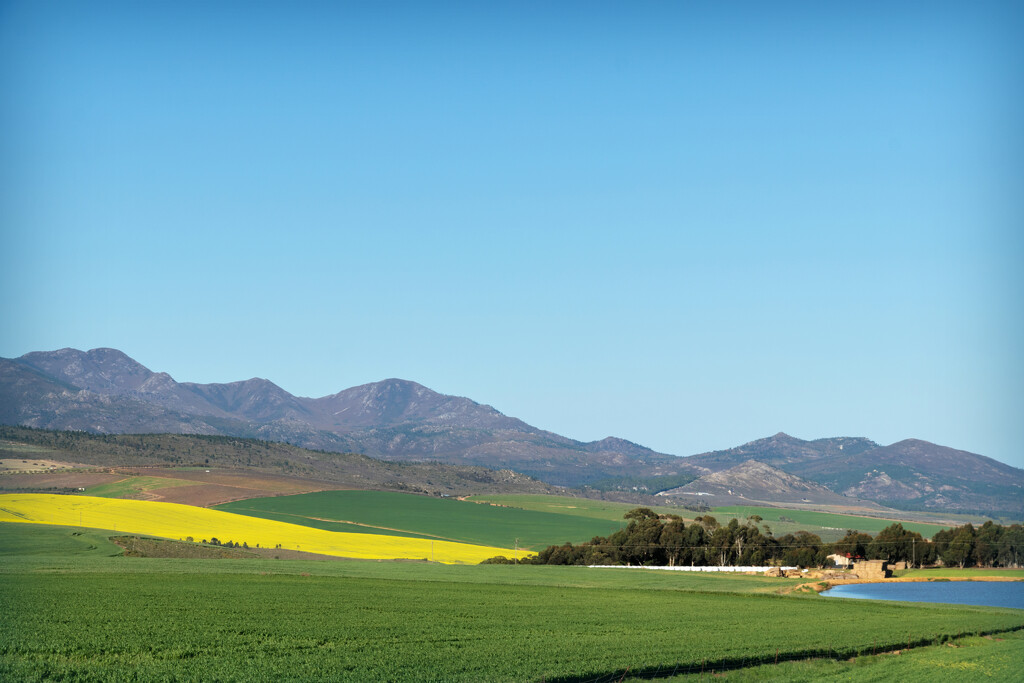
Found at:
<point>971,658</point>
<point>577,507</point>
<point>829,526</point>
<point>812,521</point>
<point>216,626</point>
<point>130,486</point>
<point>947,572</point>
<point>427,516</point>
<point>72,611</point>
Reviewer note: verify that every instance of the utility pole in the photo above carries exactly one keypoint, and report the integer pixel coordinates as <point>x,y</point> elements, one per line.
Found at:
<point>913,551</point>
<point>517,552</point>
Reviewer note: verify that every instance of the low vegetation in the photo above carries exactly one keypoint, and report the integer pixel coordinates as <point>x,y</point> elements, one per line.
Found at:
<point>184,522</point>
<point>180,450</point>
<point>783,520</point>
<point>427,517</point>
<point>90,616</point>
<point>994,658</point>
<point>828,526</point>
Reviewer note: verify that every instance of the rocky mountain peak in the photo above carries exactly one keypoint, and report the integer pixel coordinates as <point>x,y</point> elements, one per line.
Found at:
<point>102,370</point>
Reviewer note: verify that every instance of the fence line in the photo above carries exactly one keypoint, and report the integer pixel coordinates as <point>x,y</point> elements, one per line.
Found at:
<point>719,568</point>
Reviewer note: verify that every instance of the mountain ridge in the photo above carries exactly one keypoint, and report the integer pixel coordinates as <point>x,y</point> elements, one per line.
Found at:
<point>755,483</point>
<point>393,419</point>
<point>105,391</point>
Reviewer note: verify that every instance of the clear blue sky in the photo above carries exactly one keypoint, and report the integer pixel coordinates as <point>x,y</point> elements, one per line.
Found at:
<point>685,224</point>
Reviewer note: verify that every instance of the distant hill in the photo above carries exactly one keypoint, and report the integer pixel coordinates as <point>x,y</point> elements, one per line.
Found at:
<point>918,475</point>
<point>254,457</point>
<point>755,483</point>
<point>105,391</point>
<point>909,475</point>
<point>782,450</point>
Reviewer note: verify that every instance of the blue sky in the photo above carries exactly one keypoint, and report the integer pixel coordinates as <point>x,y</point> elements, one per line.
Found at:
<point>687,225</point>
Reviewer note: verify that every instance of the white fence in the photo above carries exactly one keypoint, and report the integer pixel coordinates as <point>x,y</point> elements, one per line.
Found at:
<point>759,570</point>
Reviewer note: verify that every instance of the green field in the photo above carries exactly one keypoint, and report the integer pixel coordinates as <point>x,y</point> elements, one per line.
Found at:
<point>133,486</point>
<point>950,573</point>
<point>829,526</point>
<point>825,521</point>
<point>993,658</point>
<point>577,507</point>
<point>73,611</point>
<point>426,516</point>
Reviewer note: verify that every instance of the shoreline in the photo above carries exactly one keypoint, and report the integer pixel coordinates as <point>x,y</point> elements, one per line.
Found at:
<point>825,584</point>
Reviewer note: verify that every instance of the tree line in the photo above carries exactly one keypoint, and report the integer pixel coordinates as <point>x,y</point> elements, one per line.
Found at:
<point>666,540</point>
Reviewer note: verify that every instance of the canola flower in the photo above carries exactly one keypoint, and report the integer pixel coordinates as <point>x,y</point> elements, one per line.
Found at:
<point>178,522</point>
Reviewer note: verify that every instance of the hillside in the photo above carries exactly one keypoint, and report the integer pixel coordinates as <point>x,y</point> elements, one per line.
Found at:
<point>909,475</point>
<point>105,391</point>
<point>163,454</point>
<point>755,482</point>
<point>918,475</point>
<point>781,450</point>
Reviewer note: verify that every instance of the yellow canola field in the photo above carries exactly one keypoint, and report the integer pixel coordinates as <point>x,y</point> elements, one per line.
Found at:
<point>178,522</point>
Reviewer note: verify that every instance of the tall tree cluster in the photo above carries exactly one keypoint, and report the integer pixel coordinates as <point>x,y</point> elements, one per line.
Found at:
<point>666,540</point>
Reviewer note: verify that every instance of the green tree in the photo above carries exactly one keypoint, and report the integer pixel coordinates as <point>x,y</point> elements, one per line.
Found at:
<point>895,544</point>
<point>1011,546</point>
<point>802,549</point>
<point>673,540</point>
<point>986,544</point>
<point>639,542</point>
<point>959,550</point>
<point>853,544</point>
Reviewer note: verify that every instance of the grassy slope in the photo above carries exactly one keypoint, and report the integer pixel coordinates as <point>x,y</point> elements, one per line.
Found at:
<point>577,507</point>
<point>21,541</point>
<point>73,611</point>
<point>132,486</point>
<point>428,516</point>
<point>943,573</point>
<point>830,526</point>
<point>827,521</point>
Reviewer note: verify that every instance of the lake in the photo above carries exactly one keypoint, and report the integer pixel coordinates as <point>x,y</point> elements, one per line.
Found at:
<point>990,593</point>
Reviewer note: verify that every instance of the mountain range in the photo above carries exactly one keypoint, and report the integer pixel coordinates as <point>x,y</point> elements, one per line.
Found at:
<point>908,475</point>
<point>106,391</point>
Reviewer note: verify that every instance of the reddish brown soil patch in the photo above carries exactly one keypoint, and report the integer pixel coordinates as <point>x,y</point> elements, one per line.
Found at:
<point>204,495</point>
<point>218,486</point>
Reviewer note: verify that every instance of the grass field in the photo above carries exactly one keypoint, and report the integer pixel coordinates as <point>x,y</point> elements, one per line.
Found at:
<point>427,516</point>
<point>826,521</point>
<point>949,573</point>
<point>73,611</point>
<point>829,526</point>
<point>181,522</point>
<point>134,486</point>
<point>993,658</point>
<point>576,507</point>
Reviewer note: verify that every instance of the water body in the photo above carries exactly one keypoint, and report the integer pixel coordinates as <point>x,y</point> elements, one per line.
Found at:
<point>989,593</point>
